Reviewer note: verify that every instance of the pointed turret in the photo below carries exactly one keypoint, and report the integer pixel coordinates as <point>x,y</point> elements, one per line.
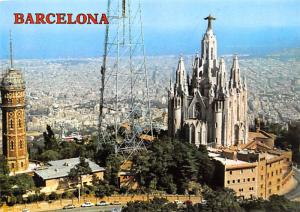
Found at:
<point>245,83</point>
<point>235,80</point>
<point>181,80</point>
<point>221,77</point>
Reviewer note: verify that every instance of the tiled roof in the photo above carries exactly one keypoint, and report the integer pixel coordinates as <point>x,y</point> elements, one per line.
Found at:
<point>61,168</point>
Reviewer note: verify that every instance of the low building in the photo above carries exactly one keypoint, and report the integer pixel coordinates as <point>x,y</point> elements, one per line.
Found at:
<point>55,176</point>
<point>256,169</point>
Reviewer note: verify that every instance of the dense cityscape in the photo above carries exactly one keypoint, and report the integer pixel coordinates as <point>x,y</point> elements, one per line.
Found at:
<point>55,90</point>
<point>129,132</point>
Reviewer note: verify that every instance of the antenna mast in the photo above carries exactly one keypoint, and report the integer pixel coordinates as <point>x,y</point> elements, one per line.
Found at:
<point>125,117</point>
<point>10,50</point>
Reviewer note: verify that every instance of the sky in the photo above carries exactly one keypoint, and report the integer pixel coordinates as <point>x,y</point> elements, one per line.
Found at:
<point>171,27</point>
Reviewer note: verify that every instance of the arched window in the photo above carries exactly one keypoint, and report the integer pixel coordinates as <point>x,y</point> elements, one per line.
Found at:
<point>19,123</point>
<point>21,144</point>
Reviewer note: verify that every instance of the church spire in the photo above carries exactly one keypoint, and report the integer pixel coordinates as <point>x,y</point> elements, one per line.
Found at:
<point>235,73</point>
<point>181,81</point>
<point>209,43</point>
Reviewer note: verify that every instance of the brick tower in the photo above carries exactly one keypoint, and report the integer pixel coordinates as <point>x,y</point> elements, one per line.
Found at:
<point>13,120</point>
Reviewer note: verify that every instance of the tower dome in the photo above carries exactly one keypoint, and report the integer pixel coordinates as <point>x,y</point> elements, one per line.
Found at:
<point>13,80</point>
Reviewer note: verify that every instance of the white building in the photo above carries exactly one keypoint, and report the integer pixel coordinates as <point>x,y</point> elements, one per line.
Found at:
<point>208,109</point>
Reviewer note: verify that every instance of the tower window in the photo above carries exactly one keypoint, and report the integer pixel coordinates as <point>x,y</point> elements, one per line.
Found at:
<point>11,123</point>
<point>22,164</point>
<point>12,145</point>
<point>12,165</point>
<point>19,123</point>
<point>211,53</point>
<point>21,144</point>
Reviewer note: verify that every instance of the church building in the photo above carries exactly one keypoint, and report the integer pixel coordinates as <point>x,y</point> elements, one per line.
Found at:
<point>208,109</point>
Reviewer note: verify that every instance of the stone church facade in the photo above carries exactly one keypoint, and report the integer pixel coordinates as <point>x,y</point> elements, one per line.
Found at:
<point>208,109</point>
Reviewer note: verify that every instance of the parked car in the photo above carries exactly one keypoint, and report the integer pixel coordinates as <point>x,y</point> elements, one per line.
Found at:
<point>102,203</point>
<point>87,204</point>
<point>116,203</point>
<point>178,202</point>
<point>69,206</point>
<point>25,210</point>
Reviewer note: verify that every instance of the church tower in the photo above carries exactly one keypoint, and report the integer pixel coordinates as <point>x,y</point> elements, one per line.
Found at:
<point>209,109</point>
<point>13,119</point>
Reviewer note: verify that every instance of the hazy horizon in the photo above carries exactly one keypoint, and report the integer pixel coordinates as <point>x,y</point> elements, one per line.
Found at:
<point>171,27</point>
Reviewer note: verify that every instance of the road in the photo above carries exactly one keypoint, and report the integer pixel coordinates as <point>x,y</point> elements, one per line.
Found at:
<point>296,191</point>
<point>109,208</point>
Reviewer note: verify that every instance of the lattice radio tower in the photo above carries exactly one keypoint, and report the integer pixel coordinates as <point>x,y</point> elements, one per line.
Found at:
<point>125,116</point>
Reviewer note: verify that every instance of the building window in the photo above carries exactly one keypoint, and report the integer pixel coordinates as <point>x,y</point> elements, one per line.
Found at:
<point>21,144</point>
<point>19,123</point>
<point>253,179</point>
<point>248,179</point>
<point>238,180</point>
<point>280,171</point>
<point>22,164</point>
<point>11,145</point>
<point>12,165</point>
<point>278,188</point>
<point>228,181</point>
<point>262,185</point>
<point>11,124</point>
<point>244,180</point>
<point>276,172</point>
<point>270,191</point>
<point>233,181</point>
<point>268,175</point>
<point>252,170</point>
<point>242,171</point>
<point>261,194</point>
<point>272,174</point>
<point>278,180</point>
<point>270,183</point>
<point>230,172</point>
<point>261,177</point>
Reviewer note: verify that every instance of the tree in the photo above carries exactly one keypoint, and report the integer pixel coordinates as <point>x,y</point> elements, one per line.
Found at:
<point>49,155</point>
<point>113,163</point>
<point>3,166</point>
<point>157,204</point>
<point>80,169</point>
<point>160,169</point>
<point>49,139</point>
<point>220,200</point>
<point>22,183</point>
